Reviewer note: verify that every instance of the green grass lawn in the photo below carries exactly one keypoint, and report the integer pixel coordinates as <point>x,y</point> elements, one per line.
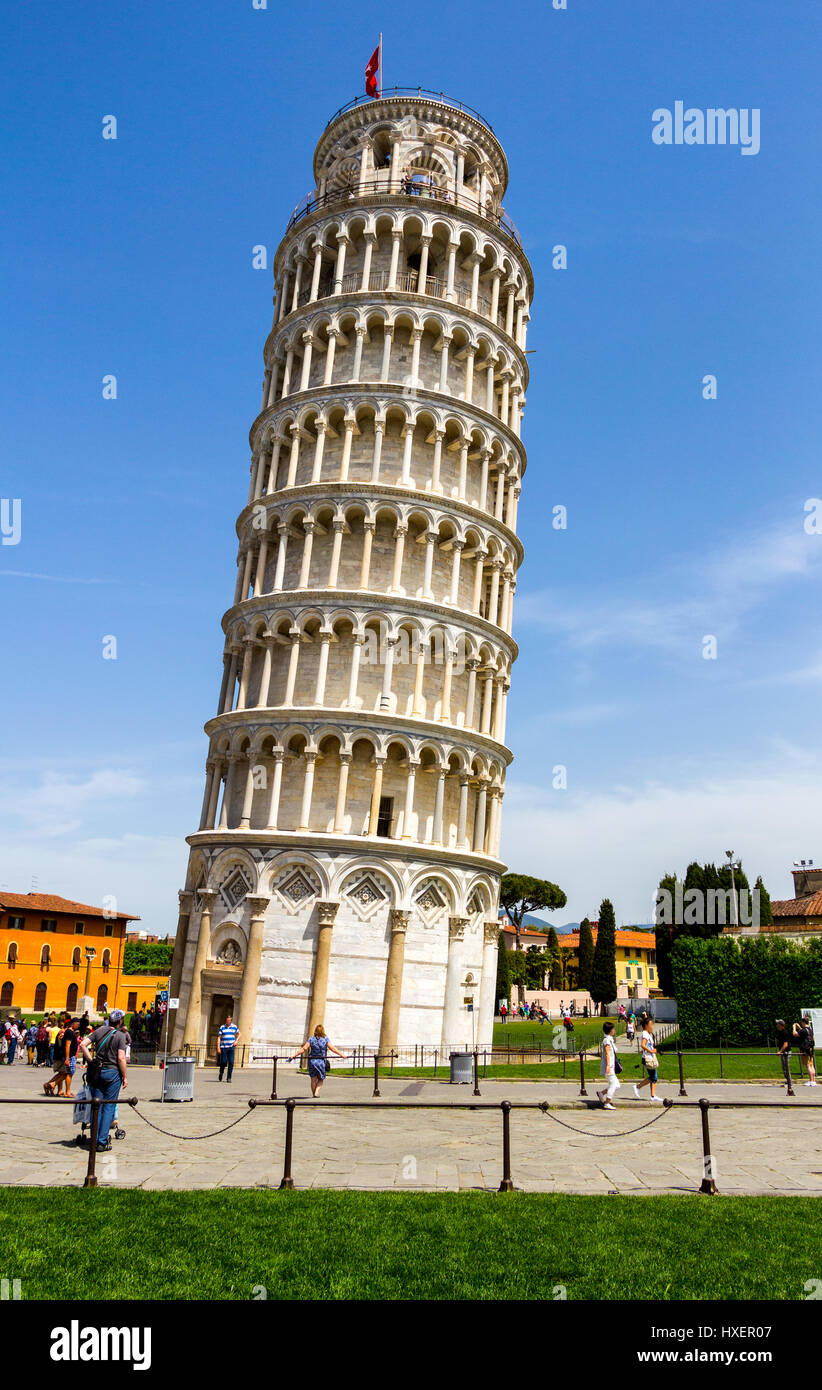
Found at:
<point>698,1067</point>
<point>346,1245</point>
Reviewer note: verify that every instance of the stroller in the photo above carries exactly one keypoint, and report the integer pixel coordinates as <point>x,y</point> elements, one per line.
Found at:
<point>82,1117</point>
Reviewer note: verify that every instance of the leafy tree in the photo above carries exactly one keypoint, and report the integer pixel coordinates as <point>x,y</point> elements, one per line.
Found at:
<point>147,957</point>
<point>519,971</point>
<point>535,967</point>
<point>586,953</point>
<point>603,985</point>
<point>520,894</point>
<point>503,972</point>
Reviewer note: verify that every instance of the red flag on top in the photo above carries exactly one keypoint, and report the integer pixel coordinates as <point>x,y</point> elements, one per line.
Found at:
<point>371,71</point>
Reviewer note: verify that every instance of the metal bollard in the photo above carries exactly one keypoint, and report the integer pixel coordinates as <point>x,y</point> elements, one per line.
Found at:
<point>476,1075</point>
<point>582,1090</point>
<point>274,1081</point>
<point>91,1177</point>
<point>376,1090</point>
<point>507,1184</point>
<point>707,1185</point>
<point>288,1181</point>
<point>682,1090</point>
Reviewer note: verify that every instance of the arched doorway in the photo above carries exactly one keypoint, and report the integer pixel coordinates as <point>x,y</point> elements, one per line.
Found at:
<point>40,998</point>
<point>102,996</point>
<point>7,993</point>
<point>71,998</point>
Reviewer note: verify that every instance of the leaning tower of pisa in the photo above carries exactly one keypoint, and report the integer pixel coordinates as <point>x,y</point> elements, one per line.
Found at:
<point>346,867</point>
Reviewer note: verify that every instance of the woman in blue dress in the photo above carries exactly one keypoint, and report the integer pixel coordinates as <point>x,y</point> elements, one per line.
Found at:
<point>318,1048</point>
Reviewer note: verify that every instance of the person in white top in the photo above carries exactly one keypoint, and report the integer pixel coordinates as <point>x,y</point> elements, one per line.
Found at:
<point>650,1061</point>
<point>608,1067</point>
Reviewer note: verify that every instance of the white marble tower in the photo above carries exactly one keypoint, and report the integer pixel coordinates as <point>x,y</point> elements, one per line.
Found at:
<point>346,868</point>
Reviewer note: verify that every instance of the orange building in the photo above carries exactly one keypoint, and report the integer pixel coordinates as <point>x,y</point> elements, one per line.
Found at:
<point>54,951</point>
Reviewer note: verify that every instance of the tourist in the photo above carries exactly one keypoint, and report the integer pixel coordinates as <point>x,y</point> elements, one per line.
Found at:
<point>608,1067</point>
<point>803,1032</point>
<point>13,1039</point>
<point>503,1010</point>
<point>65,1049</point>
<point>31,1044</point>
<point>42,1045</point>
<point>318,1048</point>
<point>226,1041</point>
<point>109,1044</point>
<point>630,1028</point>
<point>53,1032</point>
<point>650,1061</point>
<point>783,1047</point>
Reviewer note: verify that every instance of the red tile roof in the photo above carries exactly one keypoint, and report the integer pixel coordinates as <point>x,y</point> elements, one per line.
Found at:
<point>798,907</point>
<point>643,939</point>
<point>47,902</point>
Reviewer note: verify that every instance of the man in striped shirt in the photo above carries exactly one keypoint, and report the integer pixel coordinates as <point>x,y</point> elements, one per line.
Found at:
<point>226,1042</point>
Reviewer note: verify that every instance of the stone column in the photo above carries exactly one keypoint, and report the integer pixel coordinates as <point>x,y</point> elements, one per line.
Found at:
<point>379,431</point>
<point>310,756</point>
<point>462,817</point>
<point>453,971</point>
<point>194,1022</point>
<point>488,983</point>
<point>352,701</point>
<point>439,798</point>
<point>279,575</point>
<point>326,912</point>
<point>408,815</point>
<point>339,527</point>
<point>368,527</point>
<point>215,794</point>
<point>291,677</point>
<point>251,972</point>
<point>390,1023</point>
<point>376,793</point>
<point>316,471</point>
<point>479,820</point>
<point>342,789</point>
<point>399,548</point>
<point>276,785</point>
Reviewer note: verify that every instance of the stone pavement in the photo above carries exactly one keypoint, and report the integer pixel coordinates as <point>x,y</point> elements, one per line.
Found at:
<point>756,1151</point>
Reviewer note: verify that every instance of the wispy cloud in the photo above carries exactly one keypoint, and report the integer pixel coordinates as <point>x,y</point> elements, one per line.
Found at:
<point>54,578</point>
<point>712,595</point>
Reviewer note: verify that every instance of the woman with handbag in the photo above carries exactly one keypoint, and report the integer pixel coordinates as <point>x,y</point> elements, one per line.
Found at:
<point>318,1048</point>
<point>650,1061</point>
<point>609,1066</point>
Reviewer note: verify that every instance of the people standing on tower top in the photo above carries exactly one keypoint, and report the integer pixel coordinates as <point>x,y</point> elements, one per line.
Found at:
<point>318,1048</point>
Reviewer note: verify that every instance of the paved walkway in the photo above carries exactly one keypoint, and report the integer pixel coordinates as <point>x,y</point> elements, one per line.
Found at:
<point>755,1151</point>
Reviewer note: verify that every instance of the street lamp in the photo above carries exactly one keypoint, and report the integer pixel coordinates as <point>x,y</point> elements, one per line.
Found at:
<point>733,864</point>
<point>90,955</point>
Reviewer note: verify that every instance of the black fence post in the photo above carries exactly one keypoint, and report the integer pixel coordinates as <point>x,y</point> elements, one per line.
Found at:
<point>707,1185</point>
<point>507,1184</point>
<point>288,1181</point>
<point>91,1177</point>
<point>376,1090</point>
<point>477,1091</point>
<point>682,1090</point>
<point>582,1090</point>
<point>436,1056</point>
<point>274,1080</point>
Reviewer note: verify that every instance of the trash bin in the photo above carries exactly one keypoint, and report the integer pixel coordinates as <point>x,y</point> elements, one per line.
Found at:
<point>178,1078</point>
<point>462,1067</point>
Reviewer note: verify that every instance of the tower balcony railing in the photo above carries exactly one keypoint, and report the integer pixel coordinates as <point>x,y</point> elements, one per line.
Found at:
<point>407,282</point>
<point>411,186</point>
<point>422,93</point>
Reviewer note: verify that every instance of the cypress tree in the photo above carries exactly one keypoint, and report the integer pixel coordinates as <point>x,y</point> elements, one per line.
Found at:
<point>603,986</point>
<point>503,973</point>
<point>765,910</point>
<point>585,955</point>
<point>552,953</point>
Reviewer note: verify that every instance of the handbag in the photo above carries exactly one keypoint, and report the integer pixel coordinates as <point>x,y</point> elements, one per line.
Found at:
<point>618,1067</point>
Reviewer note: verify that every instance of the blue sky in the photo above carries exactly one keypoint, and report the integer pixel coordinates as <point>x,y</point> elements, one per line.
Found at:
<point>685,516</point>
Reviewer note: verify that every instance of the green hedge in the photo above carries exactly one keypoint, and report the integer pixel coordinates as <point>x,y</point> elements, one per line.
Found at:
<point>151,957</point>
<point>736,987</point>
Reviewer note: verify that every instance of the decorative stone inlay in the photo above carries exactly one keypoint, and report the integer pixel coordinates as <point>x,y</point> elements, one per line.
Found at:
<point>431,902</point>
<point>367,894</point>
<point>235,888</point>
<point>475,904</point>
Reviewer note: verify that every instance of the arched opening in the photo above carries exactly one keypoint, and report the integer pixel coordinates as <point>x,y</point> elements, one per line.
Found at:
<point>6,993</point>
<point>40,999</point>
<point>102,996</point>
<point>71,998</point>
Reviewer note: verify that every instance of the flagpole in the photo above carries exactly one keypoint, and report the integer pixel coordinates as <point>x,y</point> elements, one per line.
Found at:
<point>381,62</point>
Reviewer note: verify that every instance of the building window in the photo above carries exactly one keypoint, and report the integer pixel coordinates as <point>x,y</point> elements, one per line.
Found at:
<point>639,972</point>
<point>17,923</point>
<point>651,972</point>
<point>385,816</point>
<point>12,953</point>
<point>652,957</point>
<point>79,928</point>
<point>75,958</point>
<point>6,993</point>
<point>132,1001</point>
<point>106,959</point>
<point>45,957</point>
<point>627,972</point>
<point>48,924</point>
<point>102,996</point>
<point>71,998</point>
<point>40,999</point>
<point>109,931</point>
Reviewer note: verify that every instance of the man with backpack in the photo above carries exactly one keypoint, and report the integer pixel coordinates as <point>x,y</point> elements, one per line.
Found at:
<point>107,1070</point>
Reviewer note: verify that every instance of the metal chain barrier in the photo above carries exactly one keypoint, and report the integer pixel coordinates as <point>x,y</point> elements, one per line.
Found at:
<point>544,1106</point>
<point>211,1134</point>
